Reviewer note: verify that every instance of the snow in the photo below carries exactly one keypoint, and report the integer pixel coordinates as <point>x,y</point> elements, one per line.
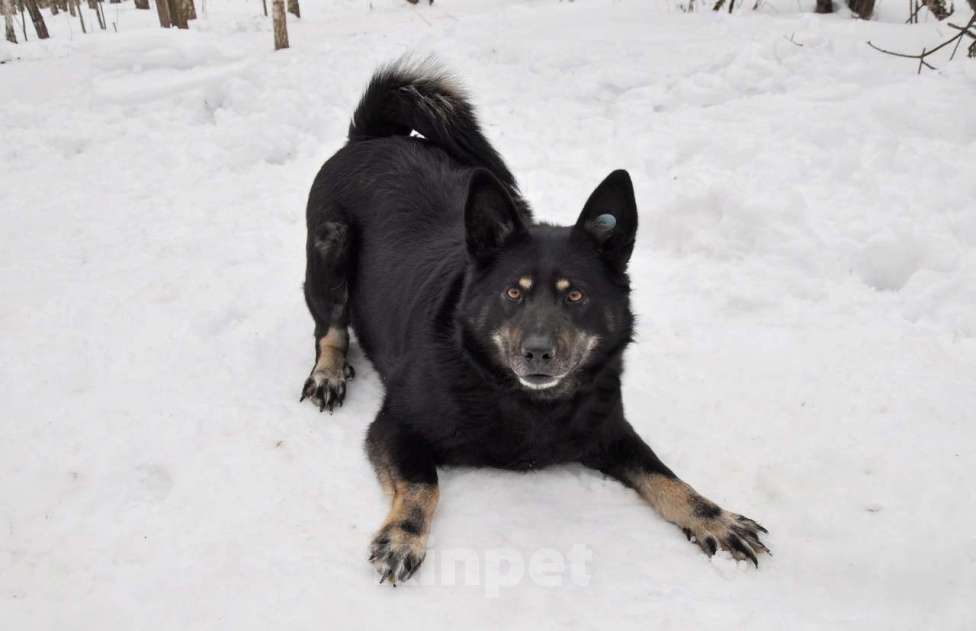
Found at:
<point>805,280</point>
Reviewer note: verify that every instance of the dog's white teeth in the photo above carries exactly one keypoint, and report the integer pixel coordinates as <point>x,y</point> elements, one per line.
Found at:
<point>539,385</point>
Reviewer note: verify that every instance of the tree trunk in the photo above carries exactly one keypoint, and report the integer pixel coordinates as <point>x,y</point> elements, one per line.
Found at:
<point>100,14</point>
<point>54,8</point>
<point>162,9</point>
<point>293,8</point>
<point>280,28</point>
<point>938,9</point>
<point>175,15</point>
<point>142,4</point>
<point>36,18</point>
<point>179,12</point>
<point>81,18</point>
<point>264,3</point>
<point>862,8</point>
<point>71,8</point>
<point>8,20</point>
<point>824,6</point>
<point>23,20</point>
<point>191,13</point>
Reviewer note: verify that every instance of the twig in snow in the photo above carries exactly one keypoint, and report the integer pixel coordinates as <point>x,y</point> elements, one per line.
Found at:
<point>927,52</point>
<point>792,41</point>
<point>921,58</point>
<point>972,47</point>
<point>913,14</point>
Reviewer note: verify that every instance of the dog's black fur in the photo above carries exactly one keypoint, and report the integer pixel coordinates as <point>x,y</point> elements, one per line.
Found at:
<point>499,340</point>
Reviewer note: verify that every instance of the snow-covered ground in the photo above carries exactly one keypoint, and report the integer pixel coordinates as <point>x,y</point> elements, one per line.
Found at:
<point>805,279</point>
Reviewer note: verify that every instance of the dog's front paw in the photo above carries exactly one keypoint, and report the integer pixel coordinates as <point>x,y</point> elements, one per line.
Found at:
<point>327,389</point>
<point>723,530</point>
<point>397,553</point>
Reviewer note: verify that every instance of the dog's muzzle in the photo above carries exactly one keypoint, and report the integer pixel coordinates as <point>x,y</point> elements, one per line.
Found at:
<point>538,365</point>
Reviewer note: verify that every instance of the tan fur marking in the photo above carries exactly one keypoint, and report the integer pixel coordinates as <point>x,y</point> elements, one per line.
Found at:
<point>385,481</point>
<point>408,497</point>
<point>525,282</point>
<point>562,284</point>
<point>702,521</point>
<point>670,497</point>
<point>503,339</point>
<point>332,351</point>
<point>413,504</point>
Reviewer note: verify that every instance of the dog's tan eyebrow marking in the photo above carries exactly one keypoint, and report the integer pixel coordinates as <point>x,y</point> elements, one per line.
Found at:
<point>525,282</point>
<point>562,284</point>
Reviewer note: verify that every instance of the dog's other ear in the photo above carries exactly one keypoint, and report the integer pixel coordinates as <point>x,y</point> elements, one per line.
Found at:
<point>609,219</point>
<point>490,218</point>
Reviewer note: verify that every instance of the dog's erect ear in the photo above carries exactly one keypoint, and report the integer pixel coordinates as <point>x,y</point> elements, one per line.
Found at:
<point>609,219</point>
<point>490,218</point>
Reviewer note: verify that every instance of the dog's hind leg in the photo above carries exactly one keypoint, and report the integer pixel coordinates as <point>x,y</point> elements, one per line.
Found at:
<point>327,296</point>
<point>405,466</point>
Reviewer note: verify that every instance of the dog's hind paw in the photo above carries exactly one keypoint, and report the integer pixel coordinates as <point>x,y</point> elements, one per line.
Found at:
<point>396,554</point>
<point>728,531</point>
<point>327,390</point>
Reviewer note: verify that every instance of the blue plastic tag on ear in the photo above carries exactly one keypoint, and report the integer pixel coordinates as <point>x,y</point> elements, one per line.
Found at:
<point>605,221</point>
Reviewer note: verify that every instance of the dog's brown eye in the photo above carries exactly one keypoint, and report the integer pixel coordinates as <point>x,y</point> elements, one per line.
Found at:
<point>514,294</point>
<point>574,295</point>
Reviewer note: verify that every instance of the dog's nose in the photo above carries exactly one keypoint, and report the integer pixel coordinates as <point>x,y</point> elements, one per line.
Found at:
<point>539,349</point>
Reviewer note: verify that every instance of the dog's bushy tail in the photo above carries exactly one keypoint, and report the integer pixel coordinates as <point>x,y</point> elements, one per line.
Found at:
<point>406,95</point>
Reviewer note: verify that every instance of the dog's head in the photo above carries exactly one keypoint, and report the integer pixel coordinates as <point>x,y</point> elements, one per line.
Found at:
<point>544,306</point>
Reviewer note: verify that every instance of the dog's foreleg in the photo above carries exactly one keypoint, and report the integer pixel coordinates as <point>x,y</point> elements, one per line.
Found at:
<point>406,470</point>
<point>630,460</point>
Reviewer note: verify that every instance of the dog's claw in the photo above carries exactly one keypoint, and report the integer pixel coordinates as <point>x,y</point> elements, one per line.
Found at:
<point>752,523</point>
<point>396,558</point>
<point>410,566</point>
<point>326,391</point>
<point>751,538</point>
<point>740,546</point>
<point>737,534</point>
<point>711,547</point>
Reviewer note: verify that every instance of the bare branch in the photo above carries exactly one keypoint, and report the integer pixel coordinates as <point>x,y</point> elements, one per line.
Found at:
<point>926,52</point>
<point>793,41</point>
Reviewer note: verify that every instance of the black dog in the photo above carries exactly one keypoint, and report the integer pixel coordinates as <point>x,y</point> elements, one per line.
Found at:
<point>499,340</point>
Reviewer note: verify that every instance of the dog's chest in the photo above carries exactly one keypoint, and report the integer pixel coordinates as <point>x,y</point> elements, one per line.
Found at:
<point>513,437</point>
